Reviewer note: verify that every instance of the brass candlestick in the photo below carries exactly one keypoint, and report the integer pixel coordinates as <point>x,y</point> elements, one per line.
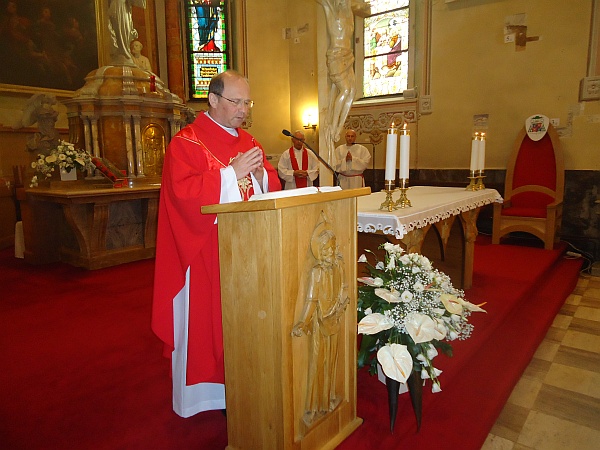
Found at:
<point>389,187</point>
<point>480,186</point>
<point>472,181</point>
<point>403,201</point>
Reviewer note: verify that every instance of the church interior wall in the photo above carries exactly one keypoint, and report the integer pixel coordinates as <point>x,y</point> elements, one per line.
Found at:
<point>471,71</point>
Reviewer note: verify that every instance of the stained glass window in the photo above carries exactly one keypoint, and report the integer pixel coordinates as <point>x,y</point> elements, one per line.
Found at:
<point>207,43</point>
<point>386,47</point>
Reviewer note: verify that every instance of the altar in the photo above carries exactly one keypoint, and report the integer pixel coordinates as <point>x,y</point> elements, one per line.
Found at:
<point>432,206</point>
<point>89,225</point>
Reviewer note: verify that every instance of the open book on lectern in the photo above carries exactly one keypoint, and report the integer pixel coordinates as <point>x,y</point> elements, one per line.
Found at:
<point>295,192</point>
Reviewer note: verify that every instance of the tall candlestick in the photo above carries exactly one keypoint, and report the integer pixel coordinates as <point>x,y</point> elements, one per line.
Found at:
<point>474,153</point>
<point>390,153</point>
<point>404,152</point>
<point>481,152</point>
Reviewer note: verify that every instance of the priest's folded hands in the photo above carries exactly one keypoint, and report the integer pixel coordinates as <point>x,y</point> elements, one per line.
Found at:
<point>250,161</point>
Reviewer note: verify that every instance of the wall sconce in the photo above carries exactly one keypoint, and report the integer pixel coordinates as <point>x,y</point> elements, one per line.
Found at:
<point>310,119</point>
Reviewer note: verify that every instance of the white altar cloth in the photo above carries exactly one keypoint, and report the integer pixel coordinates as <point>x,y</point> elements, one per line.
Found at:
<point>430,204</point>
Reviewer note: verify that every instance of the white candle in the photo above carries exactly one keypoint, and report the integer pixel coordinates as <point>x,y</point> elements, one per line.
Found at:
<point>474,153</point>
<point>390,153</point>
<point>404,152</point>
<point>481,152</point>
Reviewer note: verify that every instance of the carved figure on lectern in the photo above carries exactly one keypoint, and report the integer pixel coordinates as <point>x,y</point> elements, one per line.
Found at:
<point>324,306</point>
<point>122,31</point>
<point>340,65</point>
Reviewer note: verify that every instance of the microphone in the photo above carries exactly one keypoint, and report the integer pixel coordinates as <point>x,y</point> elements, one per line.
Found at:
<point>335,175</point>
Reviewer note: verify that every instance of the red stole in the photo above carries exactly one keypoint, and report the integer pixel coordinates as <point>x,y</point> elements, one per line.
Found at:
<point>244,184</point>
<point>300,182</point>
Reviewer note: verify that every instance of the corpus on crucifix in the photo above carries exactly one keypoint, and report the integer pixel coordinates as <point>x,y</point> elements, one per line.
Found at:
<point>340,67</point>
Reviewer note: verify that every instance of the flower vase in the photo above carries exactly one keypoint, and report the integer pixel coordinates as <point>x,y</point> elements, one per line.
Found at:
<point>393,388</point>
<point>415,389</point>
<point>68,176</point>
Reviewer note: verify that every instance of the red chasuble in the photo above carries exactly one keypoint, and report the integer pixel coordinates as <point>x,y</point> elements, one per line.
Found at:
<point>191,178</point>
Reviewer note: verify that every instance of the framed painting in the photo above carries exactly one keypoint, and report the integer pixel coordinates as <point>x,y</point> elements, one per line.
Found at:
<point>48,46</point>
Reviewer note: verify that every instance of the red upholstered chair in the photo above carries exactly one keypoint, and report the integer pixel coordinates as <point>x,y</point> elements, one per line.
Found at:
<point>533,192</point>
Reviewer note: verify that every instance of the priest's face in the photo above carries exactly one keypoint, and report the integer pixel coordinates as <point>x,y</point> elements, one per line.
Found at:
<point>231,108</point>
<point>350,137</point>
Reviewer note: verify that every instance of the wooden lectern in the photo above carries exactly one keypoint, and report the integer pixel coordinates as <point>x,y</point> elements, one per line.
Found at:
<point>271,280</point>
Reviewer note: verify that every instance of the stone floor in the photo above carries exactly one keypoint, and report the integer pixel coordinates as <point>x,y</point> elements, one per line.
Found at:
<point>556,403</point>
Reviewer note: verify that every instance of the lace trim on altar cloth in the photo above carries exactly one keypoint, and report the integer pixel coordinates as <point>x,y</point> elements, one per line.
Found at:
<point>430,205</point>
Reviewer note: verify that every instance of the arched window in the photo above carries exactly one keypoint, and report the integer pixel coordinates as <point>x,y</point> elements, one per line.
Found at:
<point>207,38</point>
<point>392,50</point>
<point>386,40</point>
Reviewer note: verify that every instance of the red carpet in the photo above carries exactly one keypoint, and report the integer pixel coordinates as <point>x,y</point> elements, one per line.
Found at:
<point>83,370</point>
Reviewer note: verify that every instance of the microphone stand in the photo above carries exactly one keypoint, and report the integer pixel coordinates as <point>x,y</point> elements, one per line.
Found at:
<point>335,174</point>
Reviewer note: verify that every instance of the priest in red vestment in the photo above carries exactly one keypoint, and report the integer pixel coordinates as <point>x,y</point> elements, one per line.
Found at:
<point>297,166</point>
<point>209,161</point>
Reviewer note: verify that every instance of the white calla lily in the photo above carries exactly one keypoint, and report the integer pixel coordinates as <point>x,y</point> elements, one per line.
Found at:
<point>366,280</point>
<point>470,306</point>
<point>451,303</point>
<point>395,361</point>
<point>387,295</point>
<point>420,327</point>
<point>377,282</point>
<point>440,330</point>
<point>374,323</point>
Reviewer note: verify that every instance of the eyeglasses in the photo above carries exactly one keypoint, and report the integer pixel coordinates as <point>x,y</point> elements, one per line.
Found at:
<point>238,101</point>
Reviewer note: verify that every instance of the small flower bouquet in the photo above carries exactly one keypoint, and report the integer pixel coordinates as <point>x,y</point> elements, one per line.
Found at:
<point>407,312</point>
<point>64,157</point>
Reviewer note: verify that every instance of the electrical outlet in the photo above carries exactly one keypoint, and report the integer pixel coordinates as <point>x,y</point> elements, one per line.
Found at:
<point>589,89</point>
<point>555,122</point>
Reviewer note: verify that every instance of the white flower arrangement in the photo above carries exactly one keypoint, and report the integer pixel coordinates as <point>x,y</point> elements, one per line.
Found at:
<point>64,157</point>
<point>407,311</point>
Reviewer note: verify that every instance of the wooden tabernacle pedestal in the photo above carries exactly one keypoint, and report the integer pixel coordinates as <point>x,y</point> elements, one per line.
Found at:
<point>289,291</point>
<point>89,225</point>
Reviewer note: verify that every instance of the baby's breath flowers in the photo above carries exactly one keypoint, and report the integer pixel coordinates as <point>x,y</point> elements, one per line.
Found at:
<point>64,157</point>
<point>407,311</point>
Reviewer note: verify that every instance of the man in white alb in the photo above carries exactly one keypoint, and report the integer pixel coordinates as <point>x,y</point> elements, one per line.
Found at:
<point>350,162</point>
<point>298,167</point>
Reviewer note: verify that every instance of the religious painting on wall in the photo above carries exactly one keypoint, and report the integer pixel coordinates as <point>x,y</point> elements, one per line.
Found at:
<point>207,43</point>
<point>49,45</point>
<point>386,32</point>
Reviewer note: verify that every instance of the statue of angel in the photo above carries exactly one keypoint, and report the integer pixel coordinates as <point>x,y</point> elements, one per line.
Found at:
<point>40,109</point>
